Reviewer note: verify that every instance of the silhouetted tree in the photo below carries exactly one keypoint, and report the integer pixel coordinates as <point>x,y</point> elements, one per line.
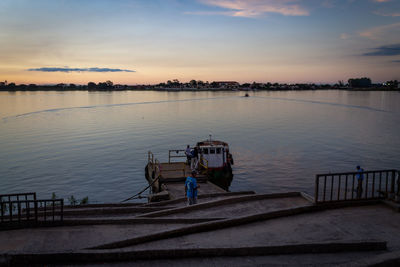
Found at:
<point>360,82</point>
<point>91,86</point>
<point>193,83</point>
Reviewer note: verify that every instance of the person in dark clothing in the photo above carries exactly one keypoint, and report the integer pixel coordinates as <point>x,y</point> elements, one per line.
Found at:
<point>188,154</point>
<point>195,159</point>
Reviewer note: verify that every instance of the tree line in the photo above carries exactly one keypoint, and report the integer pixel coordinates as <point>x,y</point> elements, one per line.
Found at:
<point>353,83</point>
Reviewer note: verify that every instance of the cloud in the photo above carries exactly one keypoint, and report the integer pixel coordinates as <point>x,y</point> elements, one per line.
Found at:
<point>382,1</point>
<point>387,14</point>
<point>254,8</point>
<point>344,36</point>
<point>382,32</point>
<point>66,69</point>
<point>387,50</point>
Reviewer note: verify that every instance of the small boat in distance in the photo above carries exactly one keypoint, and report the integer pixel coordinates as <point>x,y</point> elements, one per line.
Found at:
<point>214,166</point>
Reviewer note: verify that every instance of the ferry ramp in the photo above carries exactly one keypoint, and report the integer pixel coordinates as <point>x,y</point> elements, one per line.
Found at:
<point>260,228</point>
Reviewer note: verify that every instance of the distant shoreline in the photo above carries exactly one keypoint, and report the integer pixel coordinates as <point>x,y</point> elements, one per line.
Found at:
<point>51,88</point>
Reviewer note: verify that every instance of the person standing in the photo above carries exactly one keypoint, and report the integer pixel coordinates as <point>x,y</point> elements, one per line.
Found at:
<point>360,178</point>
<point>191,187</point>
<point>188,154</point>
<point>195,159</point>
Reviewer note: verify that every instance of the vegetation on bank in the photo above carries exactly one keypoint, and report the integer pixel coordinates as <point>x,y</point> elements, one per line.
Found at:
<point>193,85</point>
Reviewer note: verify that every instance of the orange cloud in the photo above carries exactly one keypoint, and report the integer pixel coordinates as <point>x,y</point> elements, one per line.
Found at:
<point>255,8</point>
<point>387,14</point>
<point>382,32</point>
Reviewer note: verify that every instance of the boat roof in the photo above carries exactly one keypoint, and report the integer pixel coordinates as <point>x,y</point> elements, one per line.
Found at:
<point>212,143</point>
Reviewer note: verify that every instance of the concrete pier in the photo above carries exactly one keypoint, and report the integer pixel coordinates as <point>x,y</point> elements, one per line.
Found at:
<point>238,229</point>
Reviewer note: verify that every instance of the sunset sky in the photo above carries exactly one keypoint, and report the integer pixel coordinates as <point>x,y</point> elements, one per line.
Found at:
<point>147,42</point>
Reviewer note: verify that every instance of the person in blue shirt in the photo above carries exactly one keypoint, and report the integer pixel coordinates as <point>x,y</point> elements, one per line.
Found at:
<point>191,188</point>
<point>360,178</point>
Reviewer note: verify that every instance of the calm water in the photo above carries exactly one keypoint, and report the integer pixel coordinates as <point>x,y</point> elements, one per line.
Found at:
<point>95,143</point>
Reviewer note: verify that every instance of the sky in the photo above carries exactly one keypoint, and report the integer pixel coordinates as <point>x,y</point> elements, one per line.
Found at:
<point>152,41</point>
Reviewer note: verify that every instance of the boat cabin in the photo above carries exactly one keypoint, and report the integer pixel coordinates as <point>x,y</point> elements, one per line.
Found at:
<point>215,153</point>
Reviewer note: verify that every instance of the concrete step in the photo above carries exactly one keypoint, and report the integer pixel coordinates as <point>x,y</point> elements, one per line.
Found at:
<point>235,206</point>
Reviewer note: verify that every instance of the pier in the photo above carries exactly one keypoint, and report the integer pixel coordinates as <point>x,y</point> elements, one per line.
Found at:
<point>167,179</point>
<point>235,228</point>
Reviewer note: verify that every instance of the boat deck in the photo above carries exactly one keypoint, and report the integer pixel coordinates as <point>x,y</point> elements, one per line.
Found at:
<point>176,171</point>
<point>171,179</point>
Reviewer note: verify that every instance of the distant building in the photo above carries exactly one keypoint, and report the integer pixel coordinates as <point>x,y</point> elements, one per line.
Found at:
<point>227,84</point>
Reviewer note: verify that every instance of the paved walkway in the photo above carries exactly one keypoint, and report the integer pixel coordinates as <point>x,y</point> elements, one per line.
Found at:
<point>226,224</point>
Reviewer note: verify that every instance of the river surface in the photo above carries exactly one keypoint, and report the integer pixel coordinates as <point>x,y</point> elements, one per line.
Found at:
<point>95,143</point>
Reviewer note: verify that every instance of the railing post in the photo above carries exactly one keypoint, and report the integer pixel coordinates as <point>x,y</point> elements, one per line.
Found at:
<point>392,188</point>
<point>398,183</point>
<point>19,211</point>
<point>53,210</point>
<point>316,189</point>
<point>35,210</point>
<point>10,206</point>
<point>2,209</point>
<point>62,210</point>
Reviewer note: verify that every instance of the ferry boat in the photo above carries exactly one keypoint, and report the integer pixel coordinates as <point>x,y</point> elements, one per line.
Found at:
<point>215,154</point>
<point>214,169</point>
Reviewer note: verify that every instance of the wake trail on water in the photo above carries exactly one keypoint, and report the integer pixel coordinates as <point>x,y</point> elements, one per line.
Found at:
<point>323,103</point>
<point>111,105</point>
<point>194,99</point>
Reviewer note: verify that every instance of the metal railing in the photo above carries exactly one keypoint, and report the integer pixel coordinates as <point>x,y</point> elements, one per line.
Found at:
<point>178,154</point>
<point>150,157</point>
<point>25,208</point>
<point>345,186</point>
<point>202,161</point>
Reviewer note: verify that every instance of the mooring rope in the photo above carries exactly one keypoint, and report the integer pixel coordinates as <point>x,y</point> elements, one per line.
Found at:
<point>138,195</point>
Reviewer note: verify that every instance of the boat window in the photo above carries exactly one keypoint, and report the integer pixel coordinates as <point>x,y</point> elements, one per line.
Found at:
<point>212,150</point>
<point>218,150</point>
<point>205,151</point>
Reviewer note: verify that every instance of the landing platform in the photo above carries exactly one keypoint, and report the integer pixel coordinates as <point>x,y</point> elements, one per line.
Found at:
<point>170,181</point>
<point>263,229</point>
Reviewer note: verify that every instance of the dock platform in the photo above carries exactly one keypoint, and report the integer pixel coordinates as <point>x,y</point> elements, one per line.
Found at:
<point>236,229</point>
<point>167,180</point>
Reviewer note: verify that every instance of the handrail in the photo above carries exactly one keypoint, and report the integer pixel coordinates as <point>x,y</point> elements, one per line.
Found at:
<point>345,186</point>
<point>18,196</point>
<point>177,156</point>
<point>202,164</point>
<point>18,211</point>
<point>150,157</point>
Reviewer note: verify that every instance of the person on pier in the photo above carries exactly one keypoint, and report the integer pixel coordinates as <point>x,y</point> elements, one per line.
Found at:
<point>195,159</point>
<point>191,187</point>
<point>188,153</point>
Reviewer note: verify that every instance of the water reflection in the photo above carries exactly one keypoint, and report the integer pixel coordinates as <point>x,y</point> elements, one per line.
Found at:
<point>95,144</point>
